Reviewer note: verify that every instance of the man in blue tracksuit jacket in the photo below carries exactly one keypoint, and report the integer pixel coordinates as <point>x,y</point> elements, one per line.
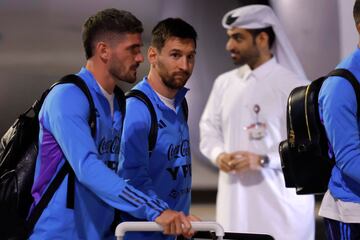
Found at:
<point>338,110</point>
<point>112,42</point>
<point>166,172</point>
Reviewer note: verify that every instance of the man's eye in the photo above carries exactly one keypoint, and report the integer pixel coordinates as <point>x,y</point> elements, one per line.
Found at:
<point>191,57</point>
<point>237,38</point>
<point>175,55</point>
<point>135,50</point>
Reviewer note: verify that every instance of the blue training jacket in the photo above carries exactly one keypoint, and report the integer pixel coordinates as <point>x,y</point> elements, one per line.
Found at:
<point>166,174</point>
<point>64,131</point>
<point>338,110</point>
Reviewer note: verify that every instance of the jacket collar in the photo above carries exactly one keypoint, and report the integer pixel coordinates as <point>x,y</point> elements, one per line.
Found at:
<point>90,80</point>
<point>145,86</point>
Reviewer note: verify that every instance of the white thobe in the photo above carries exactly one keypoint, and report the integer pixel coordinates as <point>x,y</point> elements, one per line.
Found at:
<point>255,201</point>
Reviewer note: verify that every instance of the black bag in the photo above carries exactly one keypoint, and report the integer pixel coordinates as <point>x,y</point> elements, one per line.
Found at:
<point>18,153</point>
<point>304,154</point>
<point>154,122</point>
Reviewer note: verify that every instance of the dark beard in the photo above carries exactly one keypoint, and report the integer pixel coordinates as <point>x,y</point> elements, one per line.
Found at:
<point>173,84</point>
<point>129,78</point>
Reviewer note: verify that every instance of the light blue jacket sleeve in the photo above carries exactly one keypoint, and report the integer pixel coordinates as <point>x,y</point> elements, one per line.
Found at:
<point>338,107</point>
<point>66,115</point>
<point>134,157</point>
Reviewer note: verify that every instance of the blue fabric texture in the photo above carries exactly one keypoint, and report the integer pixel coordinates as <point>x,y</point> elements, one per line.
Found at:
<point>98,189</point>
<point>165,174</point>
<point>338,111</point>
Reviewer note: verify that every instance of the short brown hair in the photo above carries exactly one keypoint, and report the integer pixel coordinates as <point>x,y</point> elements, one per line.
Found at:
<point>108,21</point>
<point>171,27</point>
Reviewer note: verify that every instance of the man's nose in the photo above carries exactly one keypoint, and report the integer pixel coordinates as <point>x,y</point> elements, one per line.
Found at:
<point>184,64</point>
<point>139,58</point>
<point>229,45</point>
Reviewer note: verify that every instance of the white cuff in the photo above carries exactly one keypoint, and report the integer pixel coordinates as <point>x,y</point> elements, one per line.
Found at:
<point>215,153</point>
<point>274,162</point>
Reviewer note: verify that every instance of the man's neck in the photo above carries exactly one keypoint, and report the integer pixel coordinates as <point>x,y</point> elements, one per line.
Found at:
<point>261,60</point>
<point>101,76</point>
<point>157,85</point>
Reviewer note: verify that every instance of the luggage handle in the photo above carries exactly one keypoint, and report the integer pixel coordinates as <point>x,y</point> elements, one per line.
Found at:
<point>154,227</point>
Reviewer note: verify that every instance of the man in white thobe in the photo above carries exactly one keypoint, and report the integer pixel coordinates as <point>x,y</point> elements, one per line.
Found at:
<point>244,121</point>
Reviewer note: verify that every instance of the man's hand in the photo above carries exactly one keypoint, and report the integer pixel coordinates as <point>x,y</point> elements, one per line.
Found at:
<point>246,161</point>
<point>191,232</point>
<point>223,161</point>
<point>174,223</point>
<point>239,161</point>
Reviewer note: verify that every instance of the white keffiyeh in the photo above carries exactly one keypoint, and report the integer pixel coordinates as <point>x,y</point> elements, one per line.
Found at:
<point>262,16</point>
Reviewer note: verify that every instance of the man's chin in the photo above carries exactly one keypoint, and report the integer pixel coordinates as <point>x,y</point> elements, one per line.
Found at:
<point>238,63</point>
<point>130,79</point>
<point>176,84</point>
<point>180,82</point>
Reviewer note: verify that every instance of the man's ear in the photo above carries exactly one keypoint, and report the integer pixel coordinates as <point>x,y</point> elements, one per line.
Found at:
<point>262,40</point>
<point>103,51</point>
<point>358,27</point>
<point>152,54</point>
